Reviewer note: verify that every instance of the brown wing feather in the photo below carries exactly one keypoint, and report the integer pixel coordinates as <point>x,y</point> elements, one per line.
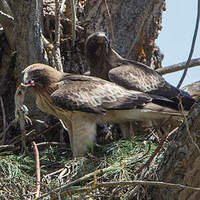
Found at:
<point>89,94</point>
<point>137,76</point>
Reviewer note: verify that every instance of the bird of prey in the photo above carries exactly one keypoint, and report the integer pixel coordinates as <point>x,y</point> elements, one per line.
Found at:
<point>81,102</point>
<point>106,63</point>
<point>193,89</point>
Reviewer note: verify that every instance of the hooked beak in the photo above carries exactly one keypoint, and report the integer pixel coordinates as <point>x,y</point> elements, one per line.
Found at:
<point>26,82</point>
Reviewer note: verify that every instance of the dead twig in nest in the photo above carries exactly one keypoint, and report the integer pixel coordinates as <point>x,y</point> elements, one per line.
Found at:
<point>57,55</point>
<point>51,143</point>
<point>147,164</point>
<point>84,178</point>
<point>128,183</point>
<point>37,166</point>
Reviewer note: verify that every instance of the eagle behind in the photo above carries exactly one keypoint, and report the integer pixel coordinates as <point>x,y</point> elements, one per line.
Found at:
<point>105,63</point>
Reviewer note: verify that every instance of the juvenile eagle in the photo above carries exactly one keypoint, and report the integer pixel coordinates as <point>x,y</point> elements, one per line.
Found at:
<point>81,102</point>
<point>106,63</point>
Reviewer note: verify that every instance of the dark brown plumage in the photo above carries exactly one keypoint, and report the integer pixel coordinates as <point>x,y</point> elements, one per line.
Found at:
<point>104,62</point>
<point>81,102</point>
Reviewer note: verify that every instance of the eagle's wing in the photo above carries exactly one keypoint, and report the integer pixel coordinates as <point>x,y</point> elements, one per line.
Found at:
<point>137,76</point>
<point>90,94</point>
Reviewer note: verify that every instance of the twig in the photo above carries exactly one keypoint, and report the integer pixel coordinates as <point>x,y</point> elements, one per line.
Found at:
<point>84,178</point>
<point>77,26</point>
<point>192,46</point>
<point>111,25</point>
<point>177,67</point>
<point>131,183</point>
<point>47,45</point>
<point>7,146</point>
<point>147,164</point>
<point>57,54</point>
<point>51,143</point>
<point>73,12</point>
<point>54,173</point>
<point>37,166</point>
<point>3,113</point>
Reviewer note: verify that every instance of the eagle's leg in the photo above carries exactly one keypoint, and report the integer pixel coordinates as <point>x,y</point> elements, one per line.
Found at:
<point>126,129</point>
<point>68,127</point>
<point>84,131</point>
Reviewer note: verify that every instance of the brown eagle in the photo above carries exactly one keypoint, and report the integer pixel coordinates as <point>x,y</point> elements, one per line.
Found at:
<point>81,102</point>
<point>106,63</point>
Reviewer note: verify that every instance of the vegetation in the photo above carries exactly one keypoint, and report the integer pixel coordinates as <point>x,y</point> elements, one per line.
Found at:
<point>113,162</point>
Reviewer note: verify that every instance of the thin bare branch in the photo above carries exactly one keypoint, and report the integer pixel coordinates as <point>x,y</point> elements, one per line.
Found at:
<point>6,146</point>
<point>130,183</point>
<point>152,183</point>
<point>37,165</point>
<point>177,67</point>
<point>111,24</point>
<point>147,164</point>
<point>192,46</point>
<point>51,143</point>
<point>57,54</point>
<point>84,178</point>
<point>3,113</point>
<point>73,11</point>
<point>5,7</point>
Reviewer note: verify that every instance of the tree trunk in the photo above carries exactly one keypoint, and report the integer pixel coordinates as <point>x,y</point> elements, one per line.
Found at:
<point>132,25</point>
<point>181,161</point>
<point>28,39</point>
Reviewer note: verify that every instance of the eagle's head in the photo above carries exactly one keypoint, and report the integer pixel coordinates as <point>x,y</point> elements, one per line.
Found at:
<point>39,75</point>
<point>97,44</point>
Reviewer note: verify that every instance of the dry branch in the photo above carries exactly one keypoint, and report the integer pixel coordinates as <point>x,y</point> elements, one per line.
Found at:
<point>177,67</point>
<point>84,178</point>
<point>147,164</point>
<point>37,165</point>
<point>73,11</point>
<point>57,54</point>
<point>133,183</point>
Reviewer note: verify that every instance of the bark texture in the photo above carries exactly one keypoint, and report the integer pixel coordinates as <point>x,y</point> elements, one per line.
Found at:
<point>181,161</point>
<point>8,78</point>
<point>132,25</point>
<point>28,39</point>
